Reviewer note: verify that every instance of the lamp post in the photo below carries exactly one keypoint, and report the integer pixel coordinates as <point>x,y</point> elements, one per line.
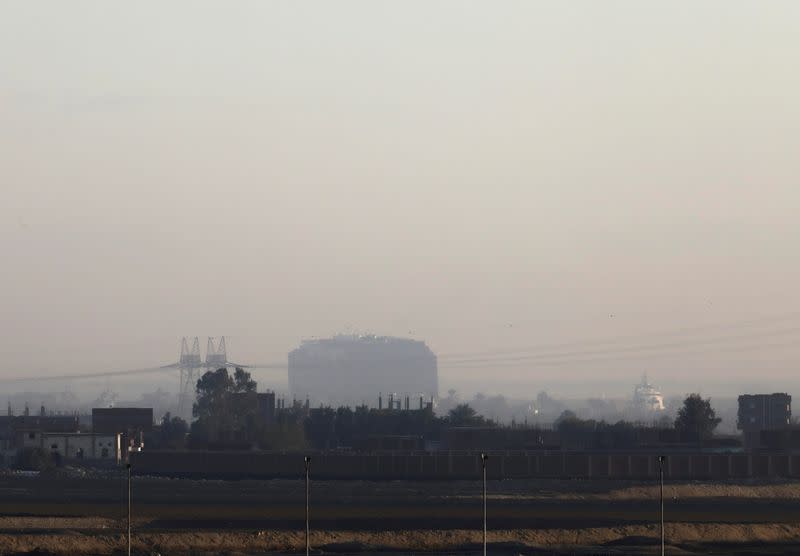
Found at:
<point>484,457</point>
<point>129,509</point>
<point>661,460</point>
<point>307,461</point>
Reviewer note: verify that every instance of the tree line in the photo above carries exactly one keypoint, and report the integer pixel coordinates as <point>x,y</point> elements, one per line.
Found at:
<point>225,415</point>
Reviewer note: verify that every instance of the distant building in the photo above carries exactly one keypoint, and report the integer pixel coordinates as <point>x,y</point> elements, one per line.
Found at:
<point>266,406</point>
<point>112,420</point>
<point>18,432</point>
<point>45,423</point>
<point>262,402</point>
<point>77,446</point>
<point>128,424</point>
<point>353,369</point>
<point>59,435</point>
<point>763,412</point>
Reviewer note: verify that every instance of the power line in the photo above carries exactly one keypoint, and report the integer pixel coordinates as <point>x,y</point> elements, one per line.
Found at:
<point>629,357</point>
<point>671,332</point>
<point>622,349</point>
<point>88,375</point>
<point>541,354</point>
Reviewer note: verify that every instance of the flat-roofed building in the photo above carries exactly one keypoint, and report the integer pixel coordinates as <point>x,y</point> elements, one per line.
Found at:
<point>127,423</point>
<point>80,446</point>
<point>112,420</point>
<point>763,412</point>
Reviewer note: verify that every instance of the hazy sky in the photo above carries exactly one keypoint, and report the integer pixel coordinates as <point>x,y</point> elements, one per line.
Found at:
<point>486,176</point>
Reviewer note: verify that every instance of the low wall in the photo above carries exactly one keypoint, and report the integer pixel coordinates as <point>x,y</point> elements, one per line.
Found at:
<point>452,465</point>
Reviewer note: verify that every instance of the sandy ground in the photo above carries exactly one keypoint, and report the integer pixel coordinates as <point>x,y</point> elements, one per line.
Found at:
<point>783,491</point>
<point>683,538</point>
<point>82,517</point>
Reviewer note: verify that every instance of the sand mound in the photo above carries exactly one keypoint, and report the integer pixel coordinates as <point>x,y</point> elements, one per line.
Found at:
<point>260,541</point>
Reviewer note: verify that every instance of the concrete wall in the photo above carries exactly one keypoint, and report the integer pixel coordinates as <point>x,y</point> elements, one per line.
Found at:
<point>70,446</point>
<point>29,439</point>
<point>455,465</point>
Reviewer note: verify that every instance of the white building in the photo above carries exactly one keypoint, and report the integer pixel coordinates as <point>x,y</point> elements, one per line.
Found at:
<point>74,445</point>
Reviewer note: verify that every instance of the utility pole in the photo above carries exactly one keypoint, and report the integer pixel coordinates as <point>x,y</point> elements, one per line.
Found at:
<point>661,460</point>
<point>307,460</point>
<point>122,480</point>
<point>129,509</point>
<point>484,457</point>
